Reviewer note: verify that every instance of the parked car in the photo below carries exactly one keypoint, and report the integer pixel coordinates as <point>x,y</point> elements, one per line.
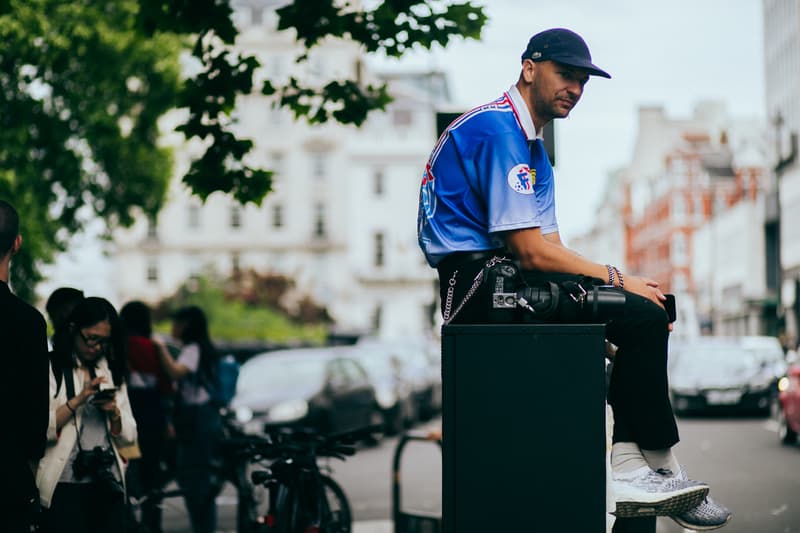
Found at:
<point>393,391</point>
<point>325,389</point>
<point>725,373</point>
<point>788,404</point>
<point>417,367</point>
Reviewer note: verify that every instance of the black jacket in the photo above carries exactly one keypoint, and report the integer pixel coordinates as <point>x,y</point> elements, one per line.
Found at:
<point>24,390</point>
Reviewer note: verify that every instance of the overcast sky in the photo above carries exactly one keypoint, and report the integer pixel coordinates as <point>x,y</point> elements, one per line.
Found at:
<point>673,54</point>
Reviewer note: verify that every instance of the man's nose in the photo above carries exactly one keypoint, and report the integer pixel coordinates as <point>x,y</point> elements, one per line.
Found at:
<point>575,89</point>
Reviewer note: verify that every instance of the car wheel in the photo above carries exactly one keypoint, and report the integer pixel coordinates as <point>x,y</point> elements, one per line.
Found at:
<point>786,434</point>
<point>376,420</point>
<point>393,420</point>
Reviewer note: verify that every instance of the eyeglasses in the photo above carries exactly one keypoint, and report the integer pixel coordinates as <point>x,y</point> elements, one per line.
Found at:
<point>93,341</point>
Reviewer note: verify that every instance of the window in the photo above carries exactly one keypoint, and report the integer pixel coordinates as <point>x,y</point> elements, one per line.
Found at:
<point>678,251</point>
<point>195,267</point>
<point>194,216</point>
<point>678,208</point>
<point>379,251</point>
<point>278,162</point>
<point>277,216</point>
<point>402,117</point>
<point>236,216</point>
<point>152,228</point>
<point>152,270</point>
<point>319,220</point>
<point>378,183</point>
<point>277,165</point>
<point>257,18</point>
<point>275,115</point>
<point>236,262</point>
<point>377,318</point>
<point>318,165</point>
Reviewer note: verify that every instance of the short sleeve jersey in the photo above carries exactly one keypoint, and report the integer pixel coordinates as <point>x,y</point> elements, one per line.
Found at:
<point>488,174</point>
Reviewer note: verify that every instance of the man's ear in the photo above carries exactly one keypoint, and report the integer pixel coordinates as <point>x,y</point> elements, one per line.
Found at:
<point>17,245</point>
<point>528,70</point>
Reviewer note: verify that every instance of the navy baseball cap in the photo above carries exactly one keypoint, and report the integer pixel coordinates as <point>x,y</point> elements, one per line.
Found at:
<point>562,46</point>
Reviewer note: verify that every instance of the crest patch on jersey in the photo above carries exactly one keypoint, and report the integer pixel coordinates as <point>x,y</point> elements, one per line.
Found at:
<point>522,178</point>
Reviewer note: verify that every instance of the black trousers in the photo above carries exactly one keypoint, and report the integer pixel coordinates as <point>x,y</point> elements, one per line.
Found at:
<point>85,508</point>
<point>638,390</point>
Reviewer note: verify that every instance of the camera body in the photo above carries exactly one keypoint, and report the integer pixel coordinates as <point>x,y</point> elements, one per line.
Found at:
<point>97,464</point>
<point>513,301</point>
<point>575,299</point>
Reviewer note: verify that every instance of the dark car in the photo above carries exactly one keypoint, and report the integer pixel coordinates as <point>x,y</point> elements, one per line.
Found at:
<point>325,389</point>
<point>725,374</point>
<point>395,394</point>
<point>788,405</point>
<point>416,362</point>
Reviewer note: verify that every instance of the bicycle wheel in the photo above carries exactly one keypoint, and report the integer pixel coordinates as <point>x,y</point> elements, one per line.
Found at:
<point>335,509</point>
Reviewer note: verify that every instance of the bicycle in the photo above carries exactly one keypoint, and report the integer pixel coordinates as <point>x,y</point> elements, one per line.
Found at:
<point>301,495</point>
<point>232,465</point>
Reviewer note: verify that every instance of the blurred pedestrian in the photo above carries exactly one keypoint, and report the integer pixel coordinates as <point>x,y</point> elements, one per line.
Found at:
<point>196,417</point>
<point>81,478</point>
<point>61,303</point>
<point>150,393</point>
<point>24,393</point>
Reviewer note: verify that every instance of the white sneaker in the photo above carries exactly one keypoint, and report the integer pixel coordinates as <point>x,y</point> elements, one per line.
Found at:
<point>706,516</point>
<point>645,492</point>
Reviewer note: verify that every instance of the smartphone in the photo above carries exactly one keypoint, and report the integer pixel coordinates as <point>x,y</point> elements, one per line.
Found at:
<point>104,395</point>
<point>669,305</point>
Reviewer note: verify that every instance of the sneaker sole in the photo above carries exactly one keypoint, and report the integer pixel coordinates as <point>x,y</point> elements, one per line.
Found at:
<point>673,505</point>
<point>695,527</point>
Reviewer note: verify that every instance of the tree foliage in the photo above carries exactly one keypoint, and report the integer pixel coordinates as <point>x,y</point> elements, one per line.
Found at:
<point>250,307</point>
<point>84,84</point>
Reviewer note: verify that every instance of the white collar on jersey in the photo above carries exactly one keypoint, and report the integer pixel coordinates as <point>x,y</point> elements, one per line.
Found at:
<point>525,118</point>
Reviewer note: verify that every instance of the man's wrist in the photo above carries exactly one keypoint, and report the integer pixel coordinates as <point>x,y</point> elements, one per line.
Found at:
<point>620,278</point>
<point>610,269</point>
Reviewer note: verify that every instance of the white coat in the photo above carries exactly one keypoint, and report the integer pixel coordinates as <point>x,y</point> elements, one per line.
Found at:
<point>60,443</point>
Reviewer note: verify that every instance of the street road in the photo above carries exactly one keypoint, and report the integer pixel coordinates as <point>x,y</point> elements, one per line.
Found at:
<point>749,471</point>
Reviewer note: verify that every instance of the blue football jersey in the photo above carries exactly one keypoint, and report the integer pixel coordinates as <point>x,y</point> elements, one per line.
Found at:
<point>487,174</point>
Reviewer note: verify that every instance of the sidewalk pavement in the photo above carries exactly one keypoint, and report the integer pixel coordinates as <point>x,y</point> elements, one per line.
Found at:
<point>374,526</point>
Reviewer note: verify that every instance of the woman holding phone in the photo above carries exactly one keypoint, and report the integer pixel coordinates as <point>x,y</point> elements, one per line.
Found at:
<point>81,476</point>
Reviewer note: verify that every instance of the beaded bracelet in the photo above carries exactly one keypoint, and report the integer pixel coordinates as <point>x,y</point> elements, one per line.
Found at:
<point>620,278</point>
<point>610,274</point>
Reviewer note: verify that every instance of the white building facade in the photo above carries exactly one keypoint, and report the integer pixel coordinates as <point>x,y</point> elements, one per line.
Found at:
<point>341,219</point>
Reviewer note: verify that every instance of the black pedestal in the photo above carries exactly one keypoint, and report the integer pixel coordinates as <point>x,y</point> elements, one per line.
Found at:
<point>524,438</point>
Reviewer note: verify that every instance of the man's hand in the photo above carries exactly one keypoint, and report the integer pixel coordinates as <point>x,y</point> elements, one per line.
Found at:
<point>647,288</point>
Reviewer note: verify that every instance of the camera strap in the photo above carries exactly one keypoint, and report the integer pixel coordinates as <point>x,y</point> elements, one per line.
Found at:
<point>476,283</point>
<point>69,383</point>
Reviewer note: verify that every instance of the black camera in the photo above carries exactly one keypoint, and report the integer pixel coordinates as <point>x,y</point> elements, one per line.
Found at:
<point>574,299</point>
<point>96,464</point>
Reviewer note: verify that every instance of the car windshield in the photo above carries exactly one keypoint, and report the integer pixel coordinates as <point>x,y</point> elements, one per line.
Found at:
<point>278,372</point>
<point>766,349</point>
<point>713,358</point>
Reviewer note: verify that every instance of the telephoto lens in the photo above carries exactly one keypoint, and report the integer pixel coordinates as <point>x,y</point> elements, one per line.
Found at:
<point>603,303</point>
